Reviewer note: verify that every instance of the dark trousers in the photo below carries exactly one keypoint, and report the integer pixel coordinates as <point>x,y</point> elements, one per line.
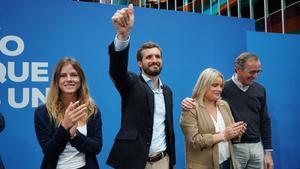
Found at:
<point>225,164</point>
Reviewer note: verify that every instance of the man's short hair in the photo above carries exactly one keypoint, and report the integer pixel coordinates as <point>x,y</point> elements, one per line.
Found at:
<point>146,45</point>
<point>240,61</point>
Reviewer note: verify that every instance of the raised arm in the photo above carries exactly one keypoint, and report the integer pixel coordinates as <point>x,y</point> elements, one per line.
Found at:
<point>123,21</point>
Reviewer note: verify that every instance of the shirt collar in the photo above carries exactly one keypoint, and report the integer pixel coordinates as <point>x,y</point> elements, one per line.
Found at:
<point>238,83</point>
<point>150,82</point>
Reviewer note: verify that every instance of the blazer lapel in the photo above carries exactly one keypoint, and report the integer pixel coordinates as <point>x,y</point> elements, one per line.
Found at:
<point>167,98</point>
<point>224,113</point>
<point>168,103</point>
<point>149,97</point>
<point>206,118</point>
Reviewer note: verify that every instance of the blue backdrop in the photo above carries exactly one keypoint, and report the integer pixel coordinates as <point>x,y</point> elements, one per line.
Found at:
<point>280,55</point>
<point>35,34</point>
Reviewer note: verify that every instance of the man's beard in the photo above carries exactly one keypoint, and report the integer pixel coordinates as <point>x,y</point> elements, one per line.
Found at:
<point>149,72</point>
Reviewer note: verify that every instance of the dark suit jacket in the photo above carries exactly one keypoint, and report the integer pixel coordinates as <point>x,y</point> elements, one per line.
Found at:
<point>2,122</point>
<point>2,125</point>
<point>53,139</point>
<point>132,143</point>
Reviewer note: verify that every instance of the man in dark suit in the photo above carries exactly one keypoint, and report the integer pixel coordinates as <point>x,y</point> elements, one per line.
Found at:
<point>2,125</point>
<point>146,137</point>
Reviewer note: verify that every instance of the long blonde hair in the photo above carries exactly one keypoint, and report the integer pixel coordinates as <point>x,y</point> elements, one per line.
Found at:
<point>205,80</point>
<point>54,102</point>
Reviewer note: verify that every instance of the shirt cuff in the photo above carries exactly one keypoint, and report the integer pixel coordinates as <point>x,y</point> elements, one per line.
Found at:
<point>268,150</point>
<point>119,44</point>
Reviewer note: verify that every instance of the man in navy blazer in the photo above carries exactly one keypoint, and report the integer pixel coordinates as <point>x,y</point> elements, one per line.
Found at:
<point>146,137</point>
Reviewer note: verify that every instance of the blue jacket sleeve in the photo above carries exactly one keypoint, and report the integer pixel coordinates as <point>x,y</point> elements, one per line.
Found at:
<point>92,143</point>
<point>52,140</point>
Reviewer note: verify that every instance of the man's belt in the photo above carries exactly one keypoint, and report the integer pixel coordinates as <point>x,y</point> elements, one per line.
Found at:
<point>157,157</point>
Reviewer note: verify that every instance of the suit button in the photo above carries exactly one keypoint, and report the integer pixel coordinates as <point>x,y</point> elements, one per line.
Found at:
<point>148,143</point>
<point>149,130</point>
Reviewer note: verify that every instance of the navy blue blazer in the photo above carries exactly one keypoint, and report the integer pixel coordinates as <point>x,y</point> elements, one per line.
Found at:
<point>2,122</point>
<point>53,139</point>
<point>2,125</point>
<point>131,146</point>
